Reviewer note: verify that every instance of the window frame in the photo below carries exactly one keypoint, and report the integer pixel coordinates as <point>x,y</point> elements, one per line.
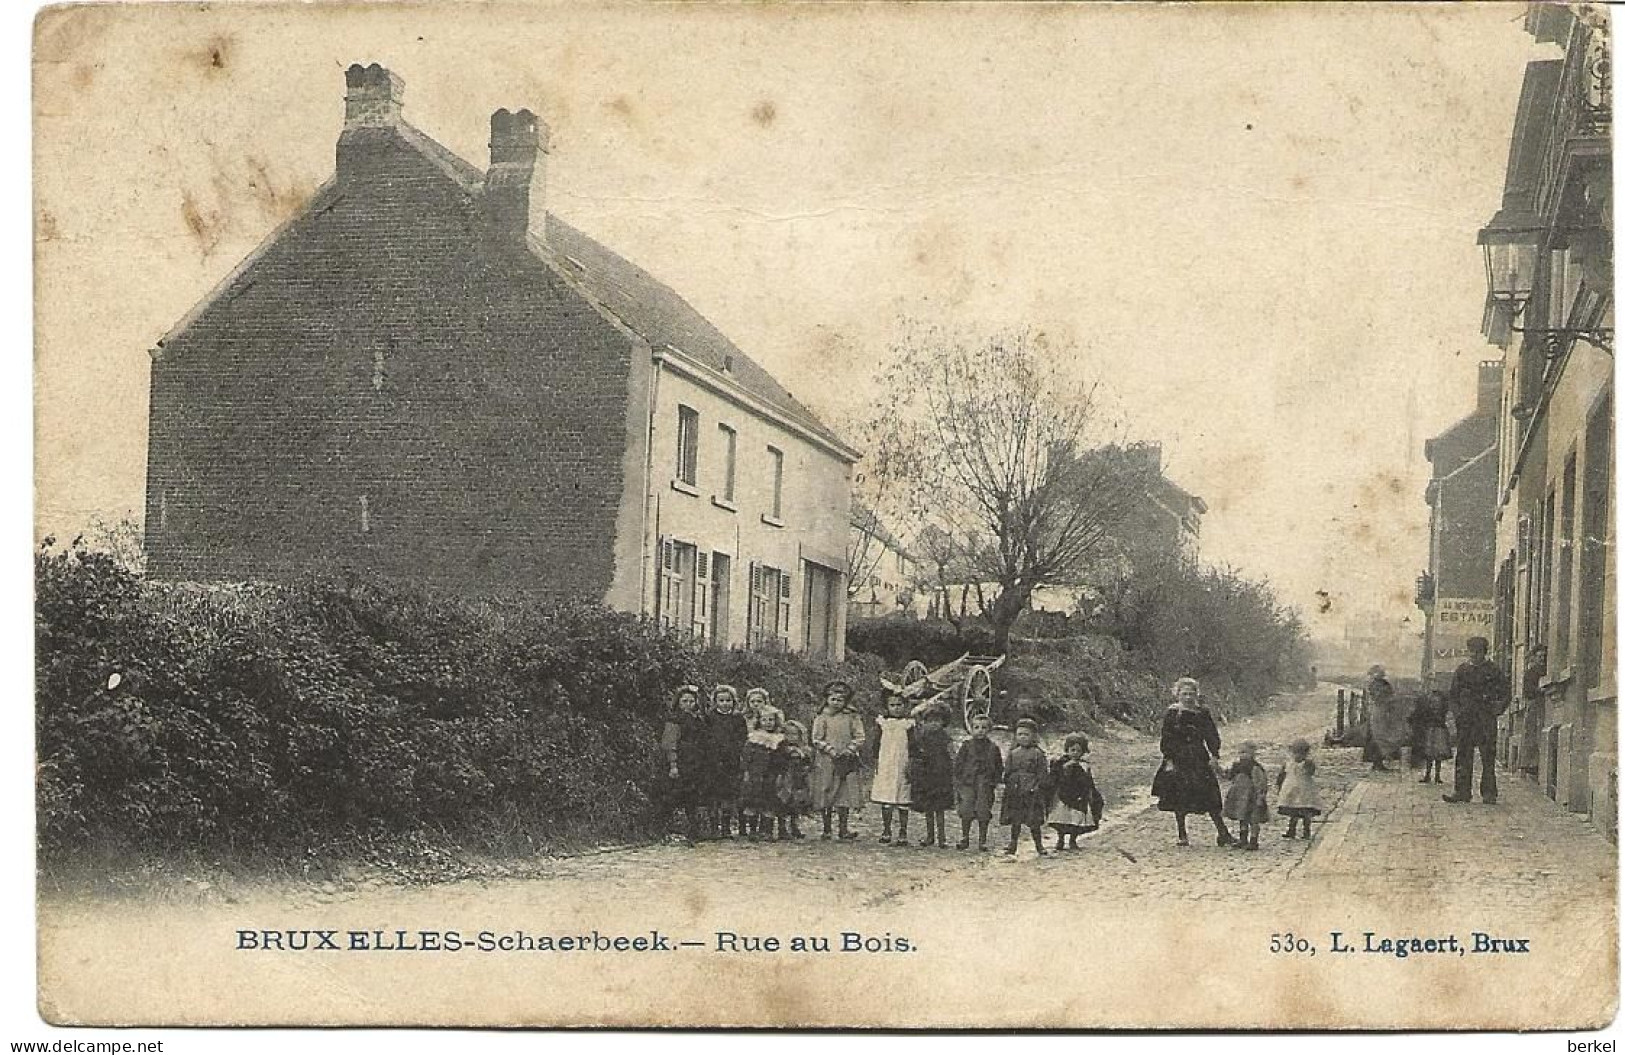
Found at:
<point>730,465</point>
<point>775,515</point>
<point>687,469</point>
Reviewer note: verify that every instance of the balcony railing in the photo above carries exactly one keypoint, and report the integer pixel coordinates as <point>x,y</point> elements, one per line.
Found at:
<point>1583,111</point>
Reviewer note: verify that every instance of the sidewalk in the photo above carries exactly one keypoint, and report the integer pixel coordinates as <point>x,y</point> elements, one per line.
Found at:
<point>1391,833</point>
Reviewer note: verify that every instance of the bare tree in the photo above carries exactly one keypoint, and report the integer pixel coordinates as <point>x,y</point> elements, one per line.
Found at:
<point>863,549</point>
<point>874,511</point>
<point>1020,468</point>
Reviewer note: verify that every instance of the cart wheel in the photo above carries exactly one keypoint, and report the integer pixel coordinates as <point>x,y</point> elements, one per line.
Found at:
<point>976,693</point>
<point>914,672</point>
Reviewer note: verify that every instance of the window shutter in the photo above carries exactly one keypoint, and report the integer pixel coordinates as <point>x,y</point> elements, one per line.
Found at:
<point>758,612</point>
<point>753,619</point>
<point>702,594</point>
<point>667,602</point>
<point>784,608</point>
<point>681,574</point>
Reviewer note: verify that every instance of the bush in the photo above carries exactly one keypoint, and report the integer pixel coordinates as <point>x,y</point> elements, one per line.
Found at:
<point>1213,624</point>
<point>355,713</point>
<point>896,641</point>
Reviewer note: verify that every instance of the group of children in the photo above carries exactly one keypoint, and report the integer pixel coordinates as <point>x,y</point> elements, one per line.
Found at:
<point>737,760</point>
<point>1246,801</point>
<point>744,760</point>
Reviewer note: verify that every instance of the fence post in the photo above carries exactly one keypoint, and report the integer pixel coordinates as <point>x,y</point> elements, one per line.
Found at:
<point>1338,735</point>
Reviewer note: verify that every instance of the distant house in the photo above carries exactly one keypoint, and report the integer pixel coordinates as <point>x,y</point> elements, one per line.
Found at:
<point>425,375</point>
<point>883,571</point>
<point>1166,522</point>
<point>1169,519</point>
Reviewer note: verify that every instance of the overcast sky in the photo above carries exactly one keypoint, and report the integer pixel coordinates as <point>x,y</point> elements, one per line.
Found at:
<point>1257,223</point>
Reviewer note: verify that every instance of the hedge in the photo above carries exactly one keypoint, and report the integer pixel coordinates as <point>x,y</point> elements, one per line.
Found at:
<point>322,712</point>
<point>897,640</point>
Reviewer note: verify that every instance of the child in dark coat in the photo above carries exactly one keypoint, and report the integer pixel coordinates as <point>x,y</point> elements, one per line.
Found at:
<point>795,780</point>
<point>978,768</point>
<point>1078,804</point>
<point>763,761</point>
<point>1026,784</point>
<point>1247,801</point>
<point>1430,737</point>
<point>687,746</point>
<point>931,774</point>
<point>728,729</point>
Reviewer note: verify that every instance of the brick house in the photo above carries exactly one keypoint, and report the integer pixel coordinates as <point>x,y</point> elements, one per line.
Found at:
<point>425,376</point>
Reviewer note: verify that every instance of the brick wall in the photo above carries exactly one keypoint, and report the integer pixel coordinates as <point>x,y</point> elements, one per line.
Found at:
<point>1464,517</point>
<point>384,349</point>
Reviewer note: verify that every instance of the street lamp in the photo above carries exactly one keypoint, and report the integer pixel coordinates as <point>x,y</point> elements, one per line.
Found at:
<point>1509,274</point>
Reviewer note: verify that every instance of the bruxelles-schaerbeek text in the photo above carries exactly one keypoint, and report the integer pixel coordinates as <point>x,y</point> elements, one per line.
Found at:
<point>512,940</point>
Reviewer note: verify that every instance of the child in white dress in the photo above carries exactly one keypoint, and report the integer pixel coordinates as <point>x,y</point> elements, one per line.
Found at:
<point>890,789</point>
<point>1299,799</point>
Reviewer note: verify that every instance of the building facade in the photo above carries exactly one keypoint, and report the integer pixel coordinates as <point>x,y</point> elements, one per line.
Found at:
<point>425,376</point>
<point>1550,309</point>
<point>1457,593</point>
<point>882,576</point>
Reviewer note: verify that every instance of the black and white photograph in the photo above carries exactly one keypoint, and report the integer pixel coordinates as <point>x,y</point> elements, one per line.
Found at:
<point>864,516</point>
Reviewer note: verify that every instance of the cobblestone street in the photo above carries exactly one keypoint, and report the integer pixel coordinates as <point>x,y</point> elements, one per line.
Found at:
<point>1382,834</point>
<point>1389,858</point>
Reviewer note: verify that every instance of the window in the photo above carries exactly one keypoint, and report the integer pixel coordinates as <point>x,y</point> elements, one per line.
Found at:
<point>163,509</point>
<point>1543,571</point>
<point>769,613</point>
<point>366,516</point>
<point>1565,571</point>
<point>1599,441</point>
<point>688,445</point>
<point>1506,584</point>
<point>378,370</point>
<point>776,457</point>
<point>730,450</point>
<point>721,585</point>
<point>679,573</point>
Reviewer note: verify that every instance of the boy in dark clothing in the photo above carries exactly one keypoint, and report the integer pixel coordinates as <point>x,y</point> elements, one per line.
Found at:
<point>977,770</point>
<point>931,774</point>
<point>1026,784</point>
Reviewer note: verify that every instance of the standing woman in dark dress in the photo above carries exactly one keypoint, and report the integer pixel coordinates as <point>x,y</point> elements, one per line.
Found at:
<point>1186,781</point>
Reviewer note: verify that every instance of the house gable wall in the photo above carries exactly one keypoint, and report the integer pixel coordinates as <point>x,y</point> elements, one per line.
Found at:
<point>383,353</point>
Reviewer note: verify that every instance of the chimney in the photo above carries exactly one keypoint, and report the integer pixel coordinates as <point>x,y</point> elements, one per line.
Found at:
<point>1148,456</point>
<point>372,100</point>
<point>372,97</point>
<point>518,174</point>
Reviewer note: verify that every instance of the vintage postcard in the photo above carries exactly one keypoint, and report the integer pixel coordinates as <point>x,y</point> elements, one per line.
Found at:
<point>825,515</point>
